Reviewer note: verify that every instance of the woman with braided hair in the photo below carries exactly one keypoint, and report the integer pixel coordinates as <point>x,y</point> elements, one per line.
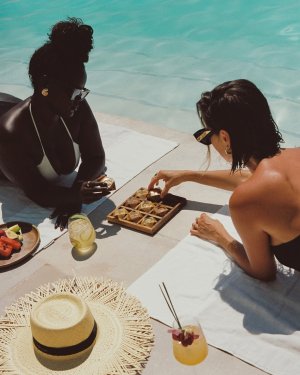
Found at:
<point>44,137</point>
<point>264,205</point>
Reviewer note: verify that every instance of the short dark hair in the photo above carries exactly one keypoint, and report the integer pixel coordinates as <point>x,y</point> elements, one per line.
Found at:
<point>68,46</point>
<point>241,109</point>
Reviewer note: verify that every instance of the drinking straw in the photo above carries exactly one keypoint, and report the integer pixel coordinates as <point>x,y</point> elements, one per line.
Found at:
<point>169,303</point>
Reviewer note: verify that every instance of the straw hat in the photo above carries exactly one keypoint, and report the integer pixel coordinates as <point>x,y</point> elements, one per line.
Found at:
<point>75,326</point>
<point>62,327</point>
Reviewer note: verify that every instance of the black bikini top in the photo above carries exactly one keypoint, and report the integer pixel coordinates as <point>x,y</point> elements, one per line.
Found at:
<point>288,253</point>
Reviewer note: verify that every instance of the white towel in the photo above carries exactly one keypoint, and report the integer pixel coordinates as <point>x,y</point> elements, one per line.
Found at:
<point>256,321</point>
<point>127,153</point>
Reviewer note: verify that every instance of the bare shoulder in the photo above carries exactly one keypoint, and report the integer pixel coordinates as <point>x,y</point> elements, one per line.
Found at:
<point>13,122</point>
<point>268,181</point>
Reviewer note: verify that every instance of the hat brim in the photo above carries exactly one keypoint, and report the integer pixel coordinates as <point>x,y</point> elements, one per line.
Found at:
<point>123,327</point>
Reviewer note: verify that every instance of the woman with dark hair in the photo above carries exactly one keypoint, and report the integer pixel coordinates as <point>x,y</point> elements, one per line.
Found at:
<point>43,137</point>
<point>264,205</point>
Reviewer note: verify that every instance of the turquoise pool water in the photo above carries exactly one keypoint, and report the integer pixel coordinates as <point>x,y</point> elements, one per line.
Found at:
<point>153,58</point>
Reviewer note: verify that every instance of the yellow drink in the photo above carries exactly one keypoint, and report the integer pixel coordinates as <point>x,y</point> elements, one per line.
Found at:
<point>194,353</point>
<point>81,232</point>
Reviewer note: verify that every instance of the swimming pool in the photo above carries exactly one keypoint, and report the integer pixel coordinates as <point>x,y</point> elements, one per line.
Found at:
<point>153,58</point>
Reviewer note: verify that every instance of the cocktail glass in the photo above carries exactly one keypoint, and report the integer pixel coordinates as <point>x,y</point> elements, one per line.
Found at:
<point>81,232</point>
<point>189,343</point>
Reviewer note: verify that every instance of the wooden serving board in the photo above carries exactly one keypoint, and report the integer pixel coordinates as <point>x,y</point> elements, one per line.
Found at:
<point>31,241</point>
<point>172,204</point>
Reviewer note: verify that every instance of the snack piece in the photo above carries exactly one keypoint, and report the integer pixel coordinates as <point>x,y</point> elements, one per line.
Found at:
<point>134,216</point>
<point>154,195</point>
<point>107,182</point>
<point>146,206</point>
<point>142,193</point>
<point>160,211</point>
<point>149,221</point>
<point>132,202</point>
<point>120,213</point>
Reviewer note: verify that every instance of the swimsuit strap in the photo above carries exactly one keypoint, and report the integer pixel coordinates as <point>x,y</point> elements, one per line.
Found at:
<point>34,123</point>
<point>62,120</point>
<point>75,145</point>
<point>32,118</point>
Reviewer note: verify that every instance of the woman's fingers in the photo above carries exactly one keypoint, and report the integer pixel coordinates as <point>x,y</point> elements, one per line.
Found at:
<point>61,218</point>
<point>161,175</point>
<point>94,189</point>
<point>154,180</point>
<point>63,221</point>
<point>200,226</point>
<point>207,228</point>
<point>91,185</point>
<point>194,232</point>
<point>195,226</point>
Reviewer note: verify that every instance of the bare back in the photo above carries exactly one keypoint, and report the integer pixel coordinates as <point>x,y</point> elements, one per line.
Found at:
<point>274,193</point>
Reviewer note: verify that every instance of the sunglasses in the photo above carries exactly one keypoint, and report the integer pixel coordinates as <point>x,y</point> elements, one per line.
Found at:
<point>204,136</point>
<point>79,94</point>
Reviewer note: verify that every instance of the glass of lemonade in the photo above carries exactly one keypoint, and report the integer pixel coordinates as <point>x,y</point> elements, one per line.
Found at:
<point>81,232</point>
<point>189,344</point>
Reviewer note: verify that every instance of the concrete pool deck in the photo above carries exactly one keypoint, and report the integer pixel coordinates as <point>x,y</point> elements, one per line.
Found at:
<point>123,254</point>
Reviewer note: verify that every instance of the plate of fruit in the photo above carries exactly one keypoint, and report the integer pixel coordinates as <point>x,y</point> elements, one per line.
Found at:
<point>17,241</point>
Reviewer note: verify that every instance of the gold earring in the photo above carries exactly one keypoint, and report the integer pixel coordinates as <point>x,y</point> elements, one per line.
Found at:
<point>228,150</point>
<point>45,92</point>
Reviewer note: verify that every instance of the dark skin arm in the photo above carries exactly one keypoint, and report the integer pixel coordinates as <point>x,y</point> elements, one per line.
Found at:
<point>91,148</point>
<point>20,153</point>
<point>92,157</point>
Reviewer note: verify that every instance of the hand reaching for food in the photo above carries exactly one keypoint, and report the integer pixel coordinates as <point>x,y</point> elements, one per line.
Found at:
<point>94,190</point>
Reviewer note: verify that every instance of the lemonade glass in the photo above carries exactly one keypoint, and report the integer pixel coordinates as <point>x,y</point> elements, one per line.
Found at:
<point>189,344</point>
<point>81,232</point>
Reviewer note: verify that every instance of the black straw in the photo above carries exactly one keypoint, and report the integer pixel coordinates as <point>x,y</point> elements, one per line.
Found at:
<point>169,303</point>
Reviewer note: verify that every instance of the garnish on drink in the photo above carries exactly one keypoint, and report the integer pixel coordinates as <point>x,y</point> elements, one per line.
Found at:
<point>185,335</point>
<point>189,343</point>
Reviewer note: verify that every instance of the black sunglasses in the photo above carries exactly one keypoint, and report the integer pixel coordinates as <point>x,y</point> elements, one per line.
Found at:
<point>204,136</point>
<point>79,94</point>
<point>75,93</point>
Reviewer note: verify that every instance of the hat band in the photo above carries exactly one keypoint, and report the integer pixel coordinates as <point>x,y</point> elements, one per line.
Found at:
<point>68,350</point>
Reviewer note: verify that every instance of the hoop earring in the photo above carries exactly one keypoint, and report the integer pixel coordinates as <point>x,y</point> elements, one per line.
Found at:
<point>228,150</point>
<point>45,92</point>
